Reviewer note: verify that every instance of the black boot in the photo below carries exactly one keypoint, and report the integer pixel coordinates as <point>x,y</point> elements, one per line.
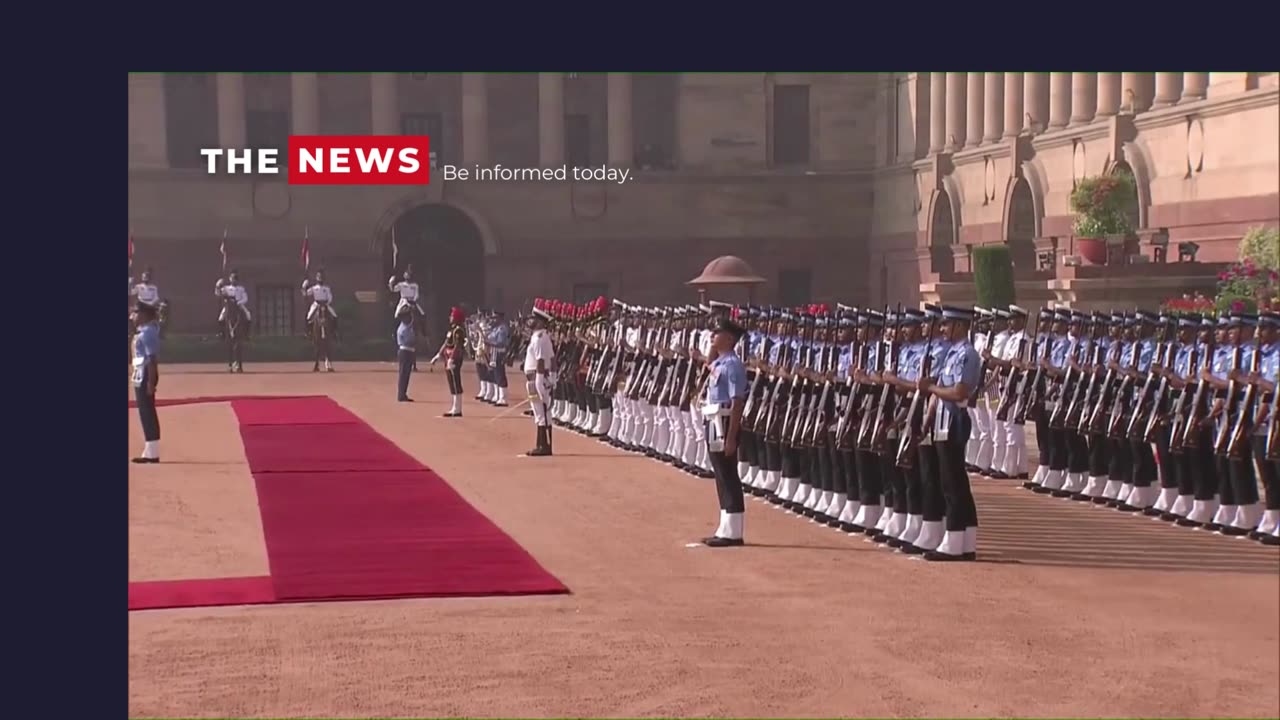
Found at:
<point>543,447</point>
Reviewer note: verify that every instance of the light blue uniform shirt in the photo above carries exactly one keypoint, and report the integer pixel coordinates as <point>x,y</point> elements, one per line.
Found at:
<point>845,363</point>
<point>405,336</point>
<point>754,338</point>
<point>775,349</point>
<point>499,337</point>
<point>728,381</point>
<point>146,346</point>
<point>1269,363</point>
<point>1146,353</point>
<point>1182,361</point>
<point>1058,352</point>
<point>909,358</point>
<point>1221,362</point>
<point>1126,354</point>
<point>961,365</point>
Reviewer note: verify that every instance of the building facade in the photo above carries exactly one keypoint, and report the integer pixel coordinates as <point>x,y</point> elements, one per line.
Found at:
<point>865,188</point>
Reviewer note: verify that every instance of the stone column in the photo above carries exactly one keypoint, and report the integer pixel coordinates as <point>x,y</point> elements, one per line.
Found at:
<point>1135,91</point>
<point>551,119</point>
<point>1084,97</point>
<point>993,97</point>
<point>1035,100</point>
<point>1013,91</point>
<point>1194,85</point>
<point>385,97</point>
<point>937,112</point>
<point>1108,94</point>
<point>148,127</point>
<point>231,117</point>
<point>475,119</point>
<point>973,124</point>
<point>955,111</point>
<point>1059,100</point>
<point>304,98</point>
<point>621,142</point>
<point>1168,89</point>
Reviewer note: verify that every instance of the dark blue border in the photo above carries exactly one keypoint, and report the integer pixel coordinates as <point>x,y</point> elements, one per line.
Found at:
<point>67,220</point>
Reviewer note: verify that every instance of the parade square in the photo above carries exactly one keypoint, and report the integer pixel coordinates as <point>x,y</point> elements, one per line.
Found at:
<point>1073,610</point>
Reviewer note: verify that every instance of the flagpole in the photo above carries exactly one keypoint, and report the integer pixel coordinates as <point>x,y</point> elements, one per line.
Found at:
<point>395,252</point>
<point>223,249</point>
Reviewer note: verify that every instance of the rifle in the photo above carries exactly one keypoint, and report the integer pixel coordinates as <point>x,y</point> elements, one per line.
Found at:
<point>811,432</point>
<point>1057,419</point>
<point>1158,401</point>
<point>1083,389</point>
<point>1244,418</point>
<point>754,399</point>
<point>1029,393</point>
<point>1015,384</point>
<point>1190,435</point>
<point>800,387</point>
<point>1094,424</point>
<point>1140,410</point>
<point>1119,403</point>
<point>1221,437</point>
<point>847,412</point>
<point>786,360</point>
<point>911,431</point>
<point>885,410</point>
<point>1273,428</point>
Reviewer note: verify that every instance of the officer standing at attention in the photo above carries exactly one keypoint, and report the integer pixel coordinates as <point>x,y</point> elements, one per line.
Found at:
<point>499,340</point>
<point>954,387</point>
<point>539,372</point>
<point>405,339</point>
<point>722,411</point>
<point>146,375</point>
<point>453,349</point>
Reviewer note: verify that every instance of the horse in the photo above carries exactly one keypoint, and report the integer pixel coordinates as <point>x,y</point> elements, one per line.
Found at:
<point>233,332</point>
<point>320,328</point>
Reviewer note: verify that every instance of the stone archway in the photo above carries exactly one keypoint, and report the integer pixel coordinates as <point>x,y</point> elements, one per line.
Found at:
<point>1135,208</point>
<point>1021,224</point>
<point>446,249</point>
<point>943,233</point>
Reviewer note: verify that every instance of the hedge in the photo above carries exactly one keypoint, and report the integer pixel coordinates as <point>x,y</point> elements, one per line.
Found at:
<point>993,276</point>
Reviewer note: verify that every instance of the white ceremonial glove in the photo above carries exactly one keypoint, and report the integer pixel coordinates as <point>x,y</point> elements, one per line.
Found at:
<point>435,359</point>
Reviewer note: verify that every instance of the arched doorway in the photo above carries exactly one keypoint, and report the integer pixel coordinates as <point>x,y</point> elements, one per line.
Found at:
<point>447,253</point>
<point>1020,231</point>
<point>942,234</point>
<point>1121,167</point>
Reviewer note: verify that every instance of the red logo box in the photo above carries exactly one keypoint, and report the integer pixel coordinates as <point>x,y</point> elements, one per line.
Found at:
<point>359,160</point>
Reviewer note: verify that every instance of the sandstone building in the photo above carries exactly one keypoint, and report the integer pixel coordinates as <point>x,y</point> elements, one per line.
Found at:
<point>865,188</point>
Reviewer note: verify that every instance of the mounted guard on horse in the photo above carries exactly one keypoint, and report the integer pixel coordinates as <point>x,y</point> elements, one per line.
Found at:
<point>234,318</point>
<point>322,319</point>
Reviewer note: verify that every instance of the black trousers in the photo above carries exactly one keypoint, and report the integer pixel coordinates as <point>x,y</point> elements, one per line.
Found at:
<point>792,462</point>
<point>482,372</point>
<point>1201,463</point>
<point>1099,456</point>
<point>913,482</point>
<point>1167,466</point>
<point>147,414</point>
<point>870,484</point>
<point>1121,468</point>
<point>962,512</point>
<point>849,466</point>
<point>1057,448</point>
<point>895,482</point>
<point>1077,452</point>
<point>454,375</point>
<point>1144,463</point>
<point>772,456</point>
<point>1043,435</point>
<point>406,371</point>
<point>1244,483</point>
<point>498,371</point>
<point>728,484</point>
<point>933,505</point>
<point>1270,471</point>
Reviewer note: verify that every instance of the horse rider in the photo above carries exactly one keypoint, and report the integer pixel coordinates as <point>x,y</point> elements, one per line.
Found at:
<point>321,296</point>
<point>231,288</point>
<point>407,288</point>
<point>145,292</point>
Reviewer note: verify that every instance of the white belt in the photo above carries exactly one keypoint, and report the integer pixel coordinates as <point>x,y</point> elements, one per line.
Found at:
<point>404,347</point>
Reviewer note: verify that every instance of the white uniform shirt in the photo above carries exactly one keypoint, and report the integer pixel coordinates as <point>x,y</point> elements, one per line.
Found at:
<point>408,290</point>
<point>704,343</point>
<point>146,293</point>
<point>1008,350</point>
<point>677,341</point>
<point>237,292</point>
<point>319,293</point>
<point>539,349</point>
<point>633,337</point>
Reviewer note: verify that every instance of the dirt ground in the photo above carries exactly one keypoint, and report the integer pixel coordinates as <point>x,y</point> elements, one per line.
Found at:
<point>1073,611</point>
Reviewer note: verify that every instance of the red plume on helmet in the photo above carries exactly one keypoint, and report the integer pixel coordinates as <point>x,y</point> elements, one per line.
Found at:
<point>456,316</point>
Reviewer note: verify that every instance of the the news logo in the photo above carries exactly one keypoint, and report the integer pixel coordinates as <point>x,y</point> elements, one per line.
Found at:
<point>333,160</point>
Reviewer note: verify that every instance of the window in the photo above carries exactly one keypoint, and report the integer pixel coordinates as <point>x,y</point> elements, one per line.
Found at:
<point>429,124</point>
<point>275,310</point>
<point>795,287</point>
<point>268,129</point>
<point>191,111</point>
<point>586,292</point>
<point>790,124</point>
<point>577,140</point>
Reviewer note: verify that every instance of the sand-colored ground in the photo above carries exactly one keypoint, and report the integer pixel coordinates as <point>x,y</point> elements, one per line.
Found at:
<point>1074,611</point>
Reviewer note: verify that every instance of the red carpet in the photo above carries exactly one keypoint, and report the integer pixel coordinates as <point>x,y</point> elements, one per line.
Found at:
<point>204,399</point>
<point>347,515</point>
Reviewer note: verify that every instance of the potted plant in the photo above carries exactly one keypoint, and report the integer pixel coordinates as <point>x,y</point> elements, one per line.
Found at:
<point>1101,205</point>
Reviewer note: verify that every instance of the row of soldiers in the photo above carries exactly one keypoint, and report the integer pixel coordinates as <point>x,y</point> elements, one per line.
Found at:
<point>1172,417</point>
